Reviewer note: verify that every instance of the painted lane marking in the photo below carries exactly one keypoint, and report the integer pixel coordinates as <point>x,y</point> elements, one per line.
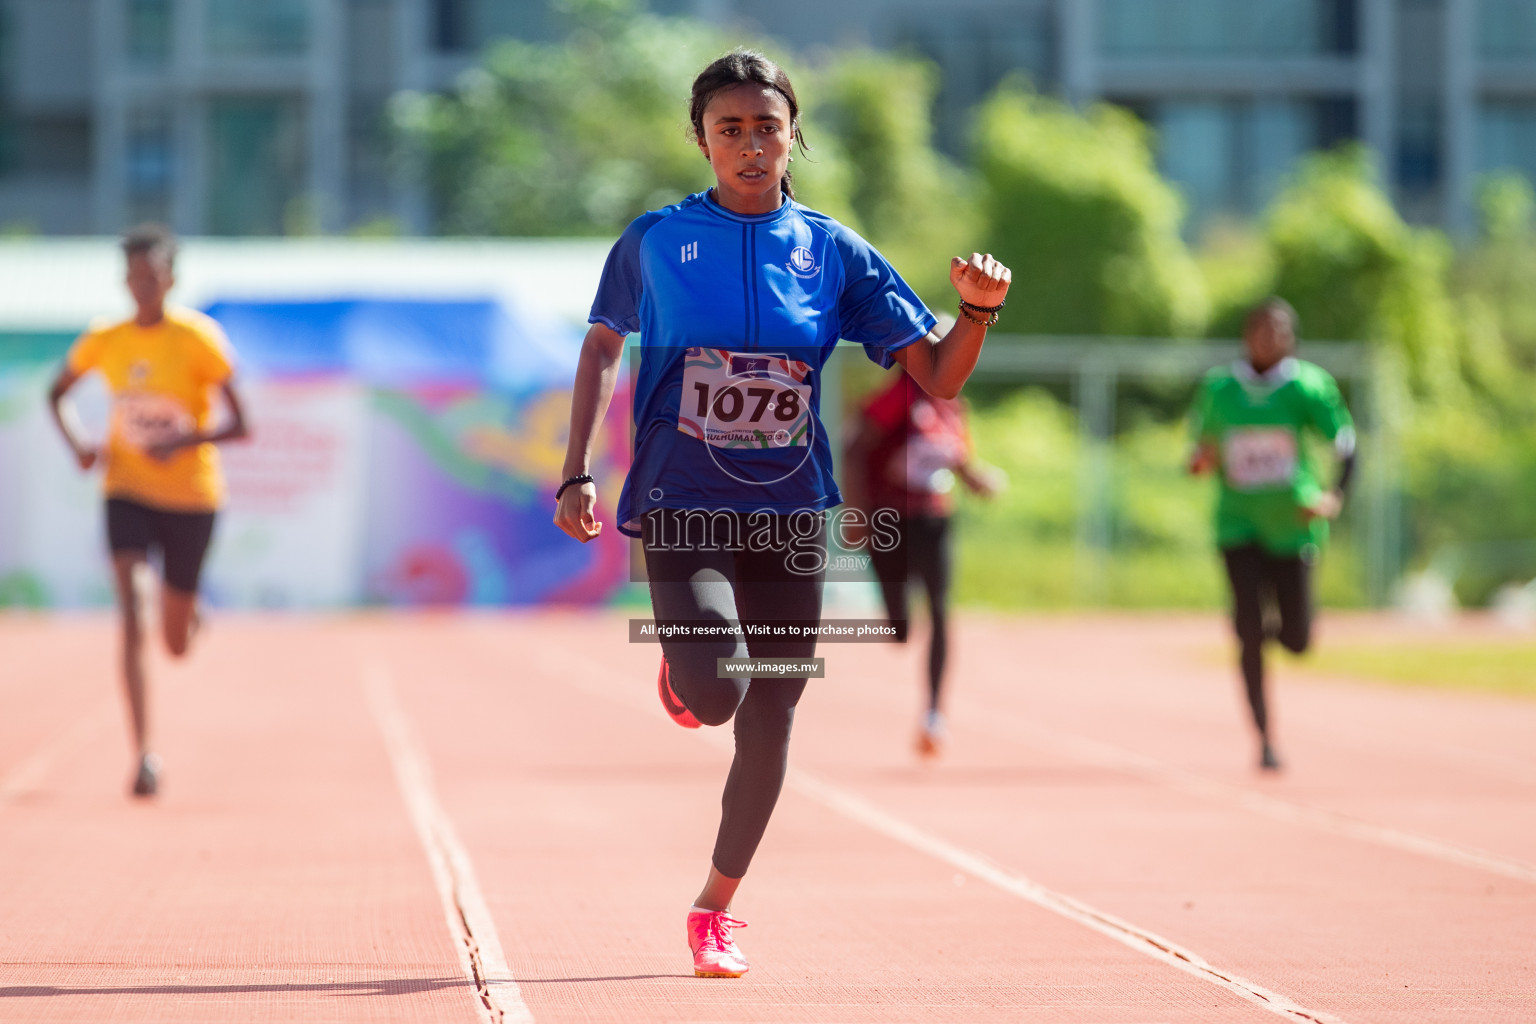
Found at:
<point>857,809</point>
<point>1005,725</point>
<point>27,777</point>
<point>469,919</point>
<point>861,811</point>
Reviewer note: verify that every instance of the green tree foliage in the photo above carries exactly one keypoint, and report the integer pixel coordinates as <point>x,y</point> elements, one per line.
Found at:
<point>1471,484</point>
<point>1465,330</point>
<point>908,199</point>
<point>1239,269</point>
<point>580,136</point>
<point>1495,277</point>
<point>572,138</point>
<point>1471,456</point>
<point>1075,206</point>
<point>1356,272</point>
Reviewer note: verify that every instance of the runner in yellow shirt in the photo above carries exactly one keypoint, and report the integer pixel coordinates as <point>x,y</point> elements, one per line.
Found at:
<point>162,480</point>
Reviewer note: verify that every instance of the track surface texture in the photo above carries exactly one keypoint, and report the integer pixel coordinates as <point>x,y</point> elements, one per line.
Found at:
<point>488,818</point>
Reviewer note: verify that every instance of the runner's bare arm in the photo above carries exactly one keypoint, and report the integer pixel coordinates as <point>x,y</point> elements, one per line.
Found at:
<point>1327,505</point>
<point>597,372</point>
<point>68,423</point>
<point>1203,459</point>
<point>234,429</point>
<point>980,479</point>
<point>942,366</point>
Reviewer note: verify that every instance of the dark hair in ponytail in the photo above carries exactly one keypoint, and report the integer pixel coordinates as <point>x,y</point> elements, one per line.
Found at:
<point>740,67</point>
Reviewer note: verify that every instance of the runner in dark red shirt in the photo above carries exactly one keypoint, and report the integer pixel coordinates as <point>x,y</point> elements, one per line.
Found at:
<point>909,450</point>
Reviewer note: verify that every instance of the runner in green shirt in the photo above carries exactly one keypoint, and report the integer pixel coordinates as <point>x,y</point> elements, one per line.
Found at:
<point>1249,424</point>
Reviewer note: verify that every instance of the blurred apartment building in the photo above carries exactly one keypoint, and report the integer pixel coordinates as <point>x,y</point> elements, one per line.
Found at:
<point>264,117</point>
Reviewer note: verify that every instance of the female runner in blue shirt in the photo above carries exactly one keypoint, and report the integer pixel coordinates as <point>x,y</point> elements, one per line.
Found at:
<point>739,295</point>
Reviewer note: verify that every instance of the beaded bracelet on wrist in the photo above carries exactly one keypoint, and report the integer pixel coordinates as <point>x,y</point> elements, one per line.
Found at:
<point>584,478</point>
<point>987,321</point>
<point>970,309</point>
<point>974,308</point>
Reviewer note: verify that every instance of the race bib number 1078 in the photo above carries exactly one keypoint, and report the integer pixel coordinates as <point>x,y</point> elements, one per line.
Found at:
<point>737,400</point>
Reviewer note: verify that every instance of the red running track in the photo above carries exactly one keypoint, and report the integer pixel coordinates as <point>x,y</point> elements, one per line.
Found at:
<point>466,818</point>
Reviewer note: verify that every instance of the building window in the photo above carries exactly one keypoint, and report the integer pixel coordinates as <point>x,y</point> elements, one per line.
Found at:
<point>150,165</point>
<point>368,172</point>
<point>1506,29</point>
<point>1197,148</point>
<point>1233,156</point>
<point>149,33</point>
<point>973,54</point>
<point>264,28</point>
<point>7,77</point>
<point>1183,29</point>
<point>149,152</point>
<point>1506,137</point>
<point>465,26</point>
<point>450,25</point>
<point>256,161</point>
<point>1419,138</point>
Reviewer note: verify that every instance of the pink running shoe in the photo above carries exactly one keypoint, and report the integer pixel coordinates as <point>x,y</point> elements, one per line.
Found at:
<point>714,951</point>
<point>674,707</point>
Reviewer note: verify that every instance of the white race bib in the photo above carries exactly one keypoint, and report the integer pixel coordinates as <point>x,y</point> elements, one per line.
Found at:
<point>745,400</point>
<point>926,463</point>
<point>144,419</point>
<point>1258,457</point>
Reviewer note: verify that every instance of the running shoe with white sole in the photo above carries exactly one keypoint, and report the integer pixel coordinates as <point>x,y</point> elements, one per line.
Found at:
<point>676,709</point>
<point>715,954</point>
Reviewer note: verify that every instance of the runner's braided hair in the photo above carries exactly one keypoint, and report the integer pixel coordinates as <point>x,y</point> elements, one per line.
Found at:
<point>740,67</point>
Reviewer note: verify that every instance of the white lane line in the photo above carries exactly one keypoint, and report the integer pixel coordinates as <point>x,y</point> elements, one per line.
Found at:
<point>1106,755</point>
<point>861,811</point>
<point>1148,943</point>
<point>28,776</point>
<point>469,919</point>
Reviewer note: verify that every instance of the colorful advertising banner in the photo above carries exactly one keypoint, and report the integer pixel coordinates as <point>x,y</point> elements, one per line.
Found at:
<point>403,453</point>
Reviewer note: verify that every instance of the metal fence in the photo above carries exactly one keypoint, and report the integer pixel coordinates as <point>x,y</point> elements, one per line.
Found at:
<point>1095,369</point>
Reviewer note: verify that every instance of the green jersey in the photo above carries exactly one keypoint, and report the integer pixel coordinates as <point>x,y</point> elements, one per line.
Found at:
<point>1257,423</point>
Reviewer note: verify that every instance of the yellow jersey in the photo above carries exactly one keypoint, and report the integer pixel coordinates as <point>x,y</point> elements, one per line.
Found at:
<point>161,379</point>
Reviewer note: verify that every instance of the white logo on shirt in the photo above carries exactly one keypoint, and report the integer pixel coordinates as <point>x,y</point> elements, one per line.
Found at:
<point>690,252</point>
<point>802,262</point>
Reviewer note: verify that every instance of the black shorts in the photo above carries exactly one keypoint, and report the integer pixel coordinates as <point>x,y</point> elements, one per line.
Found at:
<point>181,537</point>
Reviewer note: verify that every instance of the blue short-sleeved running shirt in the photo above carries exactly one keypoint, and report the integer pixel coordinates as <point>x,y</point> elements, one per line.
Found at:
<point>737,315</point>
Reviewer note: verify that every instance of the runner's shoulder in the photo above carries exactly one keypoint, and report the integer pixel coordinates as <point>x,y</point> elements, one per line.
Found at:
<point>200,328</point>
<point>193,320</point>
<point>1218,376</point>
<point>106,327</point>
<point>638,228</point>
<point>1313,377</point>
<point>844,237</point>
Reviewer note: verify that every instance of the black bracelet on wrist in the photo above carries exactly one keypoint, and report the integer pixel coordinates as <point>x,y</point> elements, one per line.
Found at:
<point>966,310</point>
<point>584,478</point>
<point>983,309</point>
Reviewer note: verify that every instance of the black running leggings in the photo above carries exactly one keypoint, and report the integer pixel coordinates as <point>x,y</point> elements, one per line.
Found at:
<point>704,582</point>
<point>923,554</point>
<point>1283,583</point>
